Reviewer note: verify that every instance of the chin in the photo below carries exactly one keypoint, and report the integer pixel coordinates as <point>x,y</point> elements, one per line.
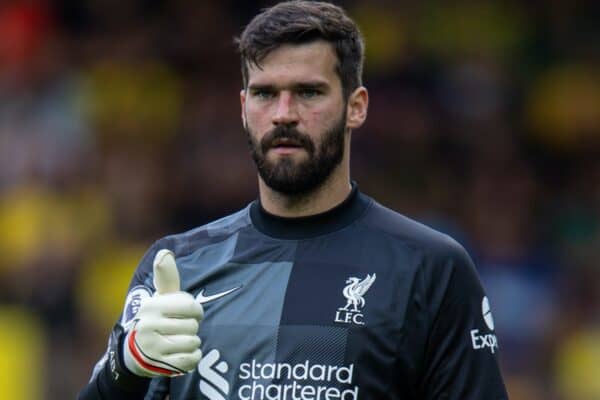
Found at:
<point>275,158</point>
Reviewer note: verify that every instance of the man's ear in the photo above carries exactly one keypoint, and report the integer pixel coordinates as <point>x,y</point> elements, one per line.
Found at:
<point>243,104</point>
<point>356,111</point>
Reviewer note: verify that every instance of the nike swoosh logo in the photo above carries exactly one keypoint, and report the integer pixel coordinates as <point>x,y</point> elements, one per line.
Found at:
<point>202,299</point>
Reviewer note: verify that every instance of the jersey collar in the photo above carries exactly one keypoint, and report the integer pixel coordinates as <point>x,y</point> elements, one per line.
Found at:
<point>310,226</point>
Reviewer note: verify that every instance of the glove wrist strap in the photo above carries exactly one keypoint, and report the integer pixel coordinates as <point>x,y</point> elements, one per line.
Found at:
<point>116,368</point>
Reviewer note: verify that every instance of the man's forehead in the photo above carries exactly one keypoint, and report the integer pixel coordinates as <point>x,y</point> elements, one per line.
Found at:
<point>314,61</point>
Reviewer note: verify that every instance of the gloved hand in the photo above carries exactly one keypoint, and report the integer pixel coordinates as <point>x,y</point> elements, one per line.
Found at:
<point>163,339</point>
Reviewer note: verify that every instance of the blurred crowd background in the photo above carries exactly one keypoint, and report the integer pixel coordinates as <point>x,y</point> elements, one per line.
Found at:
<point>119,124</point>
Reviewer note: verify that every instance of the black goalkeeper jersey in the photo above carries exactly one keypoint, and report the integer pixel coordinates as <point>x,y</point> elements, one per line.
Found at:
<point>359,302</point>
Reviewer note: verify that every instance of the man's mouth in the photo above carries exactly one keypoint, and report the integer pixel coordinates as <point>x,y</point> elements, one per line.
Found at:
<point>286,143</point>
<point>285,146</point>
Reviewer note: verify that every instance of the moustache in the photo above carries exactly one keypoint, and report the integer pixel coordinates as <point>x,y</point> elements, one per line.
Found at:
<point>288,135</point>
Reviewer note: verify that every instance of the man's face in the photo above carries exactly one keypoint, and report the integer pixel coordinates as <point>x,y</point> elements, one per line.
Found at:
<point>295,116</point>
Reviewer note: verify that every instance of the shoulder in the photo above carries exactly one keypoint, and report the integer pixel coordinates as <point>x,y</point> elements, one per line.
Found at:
<point>445,272</point>
<point>438,260</point>
<point>184,243</point>
<point>416,236</point>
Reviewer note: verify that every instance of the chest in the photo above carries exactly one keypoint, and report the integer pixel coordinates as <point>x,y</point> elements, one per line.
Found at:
<point>313,320</point>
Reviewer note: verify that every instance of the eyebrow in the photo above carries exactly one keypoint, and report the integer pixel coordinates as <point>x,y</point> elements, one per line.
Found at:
<point>311,85</point>
<point>302,85</point>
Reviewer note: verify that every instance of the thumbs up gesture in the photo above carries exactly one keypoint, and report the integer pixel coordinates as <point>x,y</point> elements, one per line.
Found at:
<point>164,338</point>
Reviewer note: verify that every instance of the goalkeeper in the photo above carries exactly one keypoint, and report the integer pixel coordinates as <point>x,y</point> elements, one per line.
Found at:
<point>314,291</point>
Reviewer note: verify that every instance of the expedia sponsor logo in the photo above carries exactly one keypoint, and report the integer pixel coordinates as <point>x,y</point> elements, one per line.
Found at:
<point>486,310</point>
<point>304,381</point>
<point>485,340</point>
<point>482,341</point>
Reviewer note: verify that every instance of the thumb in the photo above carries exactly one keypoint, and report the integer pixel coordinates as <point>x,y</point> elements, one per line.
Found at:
<point>166,277</point>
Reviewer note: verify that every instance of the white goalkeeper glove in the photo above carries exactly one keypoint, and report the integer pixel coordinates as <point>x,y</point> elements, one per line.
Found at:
<point>163,339</point>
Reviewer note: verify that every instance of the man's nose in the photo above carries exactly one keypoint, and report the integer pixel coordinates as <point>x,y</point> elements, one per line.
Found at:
<point>285,113</point>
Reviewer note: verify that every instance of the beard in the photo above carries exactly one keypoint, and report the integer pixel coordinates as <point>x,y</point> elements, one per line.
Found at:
<point>291,177</point>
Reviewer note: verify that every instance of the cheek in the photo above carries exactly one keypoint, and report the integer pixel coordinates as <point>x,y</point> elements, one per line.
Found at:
<point>258,110</point>
<point>316,115</point>
<point>257,120</point>
<point>314,124</point>
<point>314,120</point>
<point>254,126</point>
<point>325,114</point>
<point>252,114</point>
<point>318,122</point>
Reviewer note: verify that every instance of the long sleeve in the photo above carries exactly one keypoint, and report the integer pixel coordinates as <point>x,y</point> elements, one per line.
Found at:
<point>462,349</point>
<point>110,379</point>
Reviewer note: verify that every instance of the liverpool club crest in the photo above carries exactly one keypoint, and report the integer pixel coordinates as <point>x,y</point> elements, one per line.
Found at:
<point>354,292</point>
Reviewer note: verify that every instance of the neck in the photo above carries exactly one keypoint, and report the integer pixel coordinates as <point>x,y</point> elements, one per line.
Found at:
<point>329,194</point>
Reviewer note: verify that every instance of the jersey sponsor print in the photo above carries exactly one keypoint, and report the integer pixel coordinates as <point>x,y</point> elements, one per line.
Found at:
<point>276,381</point>
<point>483,340</point>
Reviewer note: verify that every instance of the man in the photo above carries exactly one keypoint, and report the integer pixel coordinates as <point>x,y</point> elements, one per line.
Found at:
<point>314,291</point>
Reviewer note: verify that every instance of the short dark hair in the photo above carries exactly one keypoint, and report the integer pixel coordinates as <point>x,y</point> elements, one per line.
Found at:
<point>301,21</point>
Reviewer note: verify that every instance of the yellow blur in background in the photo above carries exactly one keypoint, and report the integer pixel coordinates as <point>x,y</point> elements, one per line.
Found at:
<point>22,344</point>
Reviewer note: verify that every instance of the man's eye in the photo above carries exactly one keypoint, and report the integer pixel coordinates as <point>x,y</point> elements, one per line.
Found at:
<point>308,93</point>
<point>263,94</point>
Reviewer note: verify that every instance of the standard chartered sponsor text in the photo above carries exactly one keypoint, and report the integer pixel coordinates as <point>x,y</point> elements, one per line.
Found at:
<point>303,381</point>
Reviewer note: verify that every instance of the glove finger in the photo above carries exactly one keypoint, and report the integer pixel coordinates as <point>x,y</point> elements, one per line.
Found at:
<point>184,361</point>
<point>181,343</point>
<point>166,276</point>
<point>174,326</point>
<point>175,305</point>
